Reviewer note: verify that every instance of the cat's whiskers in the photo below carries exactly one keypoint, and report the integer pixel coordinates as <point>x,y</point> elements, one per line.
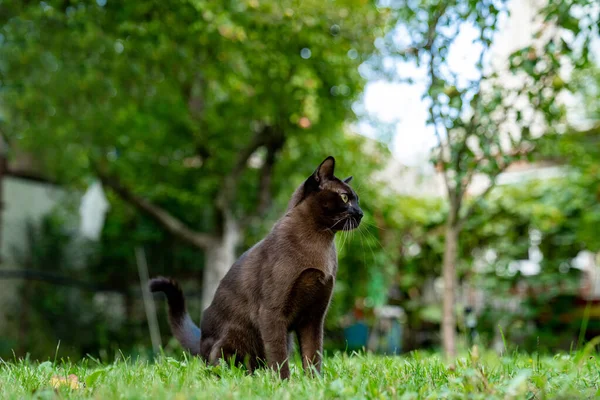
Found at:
<point>347,233</point>
<point>334,224</point>
<point>362,243</point>
<point>374,225</point>
<point>364,231</point>
<point>340,241</point>
<point>344,235</point>
<point>354,226</point>
<point>378,242</point>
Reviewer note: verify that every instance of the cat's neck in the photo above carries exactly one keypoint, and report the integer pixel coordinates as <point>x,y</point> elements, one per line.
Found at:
<point>301,222</point>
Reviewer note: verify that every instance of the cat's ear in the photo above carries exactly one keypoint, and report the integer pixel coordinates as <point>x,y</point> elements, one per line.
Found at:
<point>348,179</point>
<point>325,171</point>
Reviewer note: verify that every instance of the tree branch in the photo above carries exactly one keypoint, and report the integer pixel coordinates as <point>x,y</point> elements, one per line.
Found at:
<point>412,50</point>
<point>228,191</point>
<point>433,78</point>
<point>161,216</point>
<point>471,210</point>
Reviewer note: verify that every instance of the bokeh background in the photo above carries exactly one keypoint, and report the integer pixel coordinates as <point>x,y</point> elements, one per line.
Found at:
<point>146,138</point>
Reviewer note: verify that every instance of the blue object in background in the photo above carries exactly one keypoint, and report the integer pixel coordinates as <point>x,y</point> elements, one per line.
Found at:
<point>357,336</point>
<point>394,338</point>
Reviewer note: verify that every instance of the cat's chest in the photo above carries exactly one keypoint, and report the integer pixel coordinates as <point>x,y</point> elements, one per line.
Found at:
<point>332,263</point>
<point>325,261</point>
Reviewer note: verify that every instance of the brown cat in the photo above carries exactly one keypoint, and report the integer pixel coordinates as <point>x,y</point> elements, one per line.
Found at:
<point>280,286</point>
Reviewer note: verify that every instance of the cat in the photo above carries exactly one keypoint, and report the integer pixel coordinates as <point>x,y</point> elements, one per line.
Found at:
<point>280,286</point>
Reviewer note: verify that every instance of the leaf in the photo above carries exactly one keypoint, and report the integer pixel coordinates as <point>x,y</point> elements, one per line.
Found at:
<point>92,378</point>
<point>46,366</point>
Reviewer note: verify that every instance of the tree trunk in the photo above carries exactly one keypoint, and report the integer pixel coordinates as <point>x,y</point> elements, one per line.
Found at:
<point>219,258</point>
<point>449,277</point>
<point>2,172</point>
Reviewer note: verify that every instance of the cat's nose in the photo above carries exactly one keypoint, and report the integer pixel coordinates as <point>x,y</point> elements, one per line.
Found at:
<point>358,213</point>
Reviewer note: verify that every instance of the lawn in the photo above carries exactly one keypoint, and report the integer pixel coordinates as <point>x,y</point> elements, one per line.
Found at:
<point>417,376</point>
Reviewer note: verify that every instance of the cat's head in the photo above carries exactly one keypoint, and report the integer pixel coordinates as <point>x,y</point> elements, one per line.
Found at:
<point>331,200</point>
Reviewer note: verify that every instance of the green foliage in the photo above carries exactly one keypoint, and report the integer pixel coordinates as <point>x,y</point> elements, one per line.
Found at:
<point>125,230</point>
<point>42,308</point>
<point>563,212</point>
<point>477,376</point>
<point>579,151</point>
<point>173,93</point>
<point>587,86</point>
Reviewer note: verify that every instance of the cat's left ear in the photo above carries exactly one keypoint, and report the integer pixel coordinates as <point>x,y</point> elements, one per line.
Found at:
<point>325,171</point>
<point>348,179</point>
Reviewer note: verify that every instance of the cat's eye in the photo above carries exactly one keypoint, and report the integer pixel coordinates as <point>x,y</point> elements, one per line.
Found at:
<point>344,197</point>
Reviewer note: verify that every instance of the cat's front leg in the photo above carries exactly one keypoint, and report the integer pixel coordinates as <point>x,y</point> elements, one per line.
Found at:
<point>274,333</point>
<point>310,337</point>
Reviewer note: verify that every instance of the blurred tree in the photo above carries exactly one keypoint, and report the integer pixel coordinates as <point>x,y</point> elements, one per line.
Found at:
<point>579,150</point>
<point>194,112</point>
<point>554,215</point>
<point>486,122</point>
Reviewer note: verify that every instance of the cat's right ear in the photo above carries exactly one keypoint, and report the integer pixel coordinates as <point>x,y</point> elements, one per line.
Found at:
<point>325,171</point>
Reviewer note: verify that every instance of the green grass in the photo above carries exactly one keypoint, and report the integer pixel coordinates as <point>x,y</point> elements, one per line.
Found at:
<point>417,376</point>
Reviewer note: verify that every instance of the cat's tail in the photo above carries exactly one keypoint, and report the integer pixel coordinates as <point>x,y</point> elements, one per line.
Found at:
<point>182,326</point>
